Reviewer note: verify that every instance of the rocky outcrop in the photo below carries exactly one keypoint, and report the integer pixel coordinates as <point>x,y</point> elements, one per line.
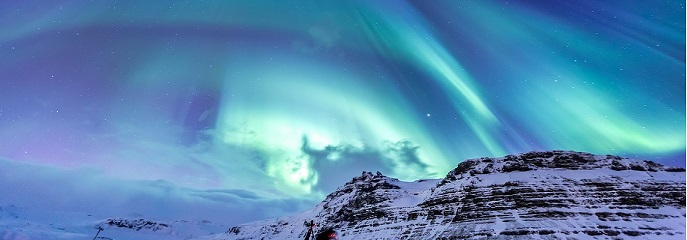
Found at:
<point>540,195</point>
<point>136,224</point>
<point>369,201</point>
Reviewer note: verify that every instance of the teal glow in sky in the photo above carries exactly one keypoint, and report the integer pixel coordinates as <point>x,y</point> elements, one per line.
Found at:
<point>257,102</point>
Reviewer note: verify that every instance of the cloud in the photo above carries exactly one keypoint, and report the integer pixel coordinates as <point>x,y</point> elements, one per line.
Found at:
<point>50,190</point>
<point>403,156</point>
<point>211,180</point>
<point>148,176</point>
<point>225,195</point>
<point>336,164</point>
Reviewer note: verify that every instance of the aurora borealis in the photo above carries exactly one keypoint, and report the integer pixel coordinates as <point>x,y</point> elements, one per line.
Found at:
<point>257,102</point>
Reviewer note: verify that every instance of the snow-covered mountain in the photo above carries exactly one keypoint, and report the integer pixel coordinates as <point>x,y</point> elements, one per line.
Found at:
<point>535,195</point>
<point>24,224</point>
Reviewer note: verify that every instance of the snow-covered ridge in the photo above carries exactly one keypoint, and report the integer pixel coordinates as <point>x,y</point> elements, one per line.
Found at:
<point>554,160</point>
<point>535,195</point>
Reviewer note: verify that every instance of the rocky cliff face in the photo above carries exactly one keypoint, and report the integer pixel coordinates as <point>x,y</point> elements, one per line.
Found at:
<point>544,195</point>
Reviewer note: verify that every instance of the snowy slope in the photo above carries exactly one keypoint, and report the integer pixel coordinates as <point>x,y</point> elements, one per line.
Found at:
<point>536,195</point>
<point>24,224</point>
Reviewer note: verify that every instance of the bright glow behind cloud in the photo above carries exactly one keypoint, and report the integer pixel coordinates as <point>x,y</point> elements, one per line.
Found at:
<point>279,104</point>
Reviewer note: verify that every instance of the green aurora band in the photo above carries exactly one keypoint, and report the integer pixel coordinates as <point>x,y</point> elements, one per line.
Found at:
<point>284,99</point>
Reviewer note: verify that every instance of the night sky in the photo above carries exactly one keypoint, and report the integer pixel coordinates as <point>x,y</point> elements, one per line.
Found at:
<point>255,109</point>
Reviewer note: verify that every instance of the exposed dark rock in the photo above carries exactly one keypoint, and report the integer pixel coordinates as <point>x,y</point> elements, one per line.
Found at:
<point>137,224</point>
